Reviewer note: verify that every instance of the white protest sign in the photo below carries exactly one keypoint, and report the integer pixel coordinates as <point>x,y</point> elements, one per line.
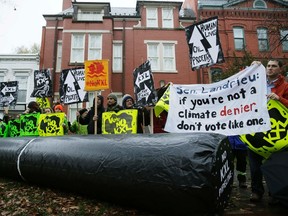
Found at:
<point>236,105</point>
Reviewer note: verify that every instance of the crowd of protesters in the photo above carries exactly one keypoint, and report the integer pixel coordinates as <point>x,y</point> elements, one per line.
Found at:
<point>89,122</point>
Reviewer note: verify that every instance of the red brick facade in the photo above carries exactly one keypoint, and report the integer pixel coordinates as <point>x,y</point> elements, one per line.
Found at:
<point>132,32</point>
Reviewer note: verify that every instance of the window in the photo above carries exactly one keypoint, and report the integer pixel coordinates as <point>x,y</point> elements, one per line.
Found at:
<point>161,55</point>
<point>262,39</point>
<point>117,57</point>
<point>77,48</point>
<point>90,15</point>
<point>2,76</point>
<point>22,78</point>
<point>259,4</point>
<point>284,39</point>
<point>59,57</point>
<point>152,17</point>
<point>215,74</point>
<point>95,47</point>
<point>239,42</point>
<point>167,17</point>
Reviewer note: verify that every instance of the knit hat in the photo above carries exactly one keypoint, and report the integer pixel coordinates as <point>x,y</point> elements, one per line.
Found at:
<point>125,98</point>
<point>58,107</point>
<point>82,111</point>
<point>111,95</point>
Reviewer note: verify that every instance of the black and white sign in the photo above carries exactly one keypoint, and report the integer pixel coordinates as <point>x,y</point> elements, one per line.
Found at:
<point>72,83</point>
<point>144,85</point>
<point>8,94</point>
<point>42,84</point>
<point>204,44</point>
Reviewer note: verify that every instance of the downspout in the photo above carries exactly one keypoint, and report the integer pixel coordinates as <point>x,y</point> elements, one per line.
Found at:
<point>55,58</point>
<point>123,56</point>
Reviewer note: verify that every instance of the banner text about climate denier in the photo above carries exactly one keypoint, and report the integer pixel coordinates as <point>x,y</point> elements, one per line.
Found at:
<point>236,105</point>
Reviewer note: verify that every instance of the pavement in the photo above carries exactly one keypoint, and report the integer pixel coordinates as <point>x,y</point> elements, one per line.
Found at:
<point>239,203</point>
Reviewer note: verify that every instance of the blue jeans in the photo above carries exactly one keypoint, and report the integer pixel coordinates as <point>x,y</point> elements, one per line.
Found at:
<point>255,162</point>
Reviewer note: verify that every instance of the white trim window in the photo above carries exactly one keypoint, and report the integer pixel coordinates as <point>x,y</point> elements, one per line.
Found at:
<point>77,48</point>
<point>117,56</point>
<point>161,55</point>
<point>152,17</point>
<point>59,57</point>
<point>2,75</point>
<point>239,42</point>
<point>90,15</point>
<point>95,47</point>
<point>167,18</point>
<point>262,35</point>
<point>22,78</point>
<point>284,39</point>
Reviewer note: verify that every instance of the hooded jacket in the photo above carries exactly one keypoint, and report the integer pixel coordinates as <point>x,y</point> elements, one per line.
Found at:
<point>89,117</point>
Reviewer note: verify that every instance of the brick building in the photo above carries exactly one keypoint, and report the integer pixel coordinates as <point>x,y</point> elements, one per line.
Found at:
<point>155,30</point>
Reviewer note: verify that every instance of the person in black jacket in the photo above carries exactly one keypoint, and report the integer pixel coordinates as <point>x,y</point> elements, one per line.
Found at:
<point>90,118</point>
<point>143,114</point>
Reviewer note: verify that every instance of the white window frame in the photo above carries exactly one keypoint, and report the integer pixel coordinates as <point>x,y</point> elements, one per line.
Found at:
<point>239,38</point>
<point>262,35</point>
<point>284,39</point>
<point>2,76</point>
<point>159,57</point>
<point>22,74</point>
<point>90,15</point>
<point>95,50</point>
<point>167,18</point>
<point>117,57</point>
<point>152,17</point>
<point>77,50</point>
<point>59,57</point>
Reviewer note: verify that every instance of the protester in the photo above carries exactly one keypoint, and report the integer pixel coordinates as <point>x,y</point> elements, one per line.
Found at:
<point>239,150</point>
<point>78,128</point>
<point>59,109</point>
<point>33,107</point>
<point>143,114</point>
<point>277,89</point>
<point>90,118</point>
<point>112,104</point>
<point>47,110</point>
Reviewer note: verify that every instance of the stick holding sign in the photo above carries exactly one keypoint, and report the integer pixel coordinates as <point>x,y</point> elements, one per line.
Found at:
<point>96,79</point>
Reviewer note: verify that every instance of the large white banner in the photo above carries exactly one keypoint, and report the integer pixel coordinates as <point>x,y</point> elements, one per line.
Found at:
<point>234,106</point>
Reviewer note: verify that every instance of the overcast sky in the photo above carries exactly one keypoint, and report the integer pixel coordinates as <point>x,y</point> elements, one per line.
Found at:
<point>21,21</point>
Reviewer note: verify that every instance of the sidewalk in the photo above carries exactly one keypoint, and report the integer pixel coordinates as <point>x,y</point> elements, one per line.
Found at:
<point>239,203</point>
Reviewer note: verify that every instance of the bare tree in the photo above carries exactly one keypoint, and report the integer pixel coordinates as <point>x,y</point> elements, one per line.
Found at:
<point>35,48</point>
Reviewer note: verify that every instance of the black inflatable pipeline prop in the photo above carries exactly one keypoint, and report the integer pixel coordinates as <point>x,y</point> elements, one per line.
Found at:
<point>170,174</point>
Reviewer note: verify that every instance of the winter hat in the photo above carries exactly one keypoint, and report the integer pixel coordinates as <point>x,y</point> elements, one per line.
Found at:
<point>82,111</point>
<point>58,107</point>
<point>111,95</point>
<point>125,98</point>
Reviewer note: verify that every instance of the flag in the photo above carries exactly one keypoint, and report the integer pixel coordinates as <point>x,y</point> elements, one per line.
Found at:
<point>42,84</point>
<point>144,91</point>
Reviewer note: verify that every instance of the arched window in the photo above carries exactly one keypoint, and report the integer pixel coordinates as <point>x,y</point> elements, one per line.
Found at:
<point>259,4</point>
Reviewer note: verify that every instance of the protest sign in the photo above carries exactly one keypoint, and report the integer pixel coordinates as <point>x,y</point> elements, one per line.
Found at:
<point>8,93</point>
<point>122,122</point>
<point>234,106</point>
<point>51,124</point>
<point>204,43</point>
<point>96,75</point>
<point>42,84</point>
<point>144,90</point>
<point>72,86</point>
